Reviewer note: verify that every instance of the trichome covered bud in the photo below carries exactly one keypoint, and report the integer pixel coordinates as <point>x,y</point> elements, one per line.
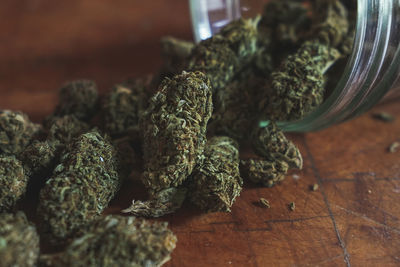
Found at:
<point>65,128</point>
<point>330,22</point>
<point>282,27</point>
<point>263,171</point>
<point>241,36</point>
<point>19,241</point>
<point>77,98</point>
<point>81,187</point>
<point>40,156</point>
<point>161,203</point>
<point>271,143</point>
<point>174,128</point>
<point>124,106</point>
<point>13,182</point>
<point>223,55</point>
<point>16,131</point>
<point>234,110</point>
<point>215,184</point>
<point>298,86</point>
<point>117,241</point>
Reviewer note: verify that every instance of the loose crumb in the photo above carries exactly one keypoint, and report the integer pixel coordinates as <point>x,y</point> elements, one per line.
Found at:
<point>292,206</point>
<point>394,147</point>
<point>265,203</point>
<point>383,116</point>
<point>296,176</point>
<point>314,187</point>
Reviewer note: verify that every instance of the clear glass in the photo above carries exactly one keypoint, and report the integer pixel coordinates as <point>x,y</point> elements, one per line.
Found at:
<point>371,73</point>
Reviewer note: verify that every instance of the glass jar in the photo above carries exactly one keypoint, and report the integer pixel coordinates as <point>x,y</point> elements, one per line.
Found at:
<point>372,72</point>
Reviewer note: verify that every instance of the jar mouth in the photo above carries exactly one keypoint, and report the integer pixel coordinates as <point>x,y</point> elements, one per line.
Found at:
<point>372,68</point>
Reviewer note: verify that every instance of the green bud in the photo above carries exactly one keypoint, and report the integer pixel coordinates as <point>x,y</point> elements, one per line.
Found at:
<point>214,58</point>
<point>13,182</point>
<point>234,110</point>
<point>78,98</point>
<point>65,128</point>
<point>124,106</point>
<point>174,128</point>
<point>282,28</point>
<point>265,172</point>
<point>161,203</point>
<point>287,20</point>
<point>40,157</point>
<point>271,143</point>
<point>16,131</point>
<point>19,241</point>
<point>330,22</point>
<point>223,55</point>
<point>81,187</point>
<point>215,184</point>
<point>298,86</point>
<point>117,241</point>
<point>241,36</point>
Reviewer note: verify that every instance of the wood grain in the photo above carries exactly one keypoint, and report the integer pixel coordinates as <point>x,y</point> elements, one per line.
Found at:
<point>353,219</point>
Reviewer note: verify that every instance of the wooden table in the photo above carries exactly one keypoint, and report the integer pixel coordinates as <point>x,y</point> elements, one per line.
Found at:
<point>353,219</point>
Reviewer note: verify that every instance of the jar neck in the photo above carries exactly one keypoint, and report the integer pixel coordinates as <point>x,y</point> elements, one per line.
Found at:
<point>373,68</point>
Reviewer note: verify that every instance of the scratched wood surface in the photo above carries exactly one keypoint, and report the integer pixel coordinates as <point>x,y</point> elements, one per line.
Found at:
<point>353,219</point>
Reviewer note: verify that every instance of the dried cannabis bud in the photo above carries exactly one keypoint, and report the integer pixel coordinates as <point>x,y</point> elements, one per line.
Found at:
<point>223,55</point>
<point>330,22</point>
<point>241,35</point>
<point>16,131</point>
<point>175,53</point>
<point>174,128</point>
<point>286,22</point>
<point>216,183</point>
<point>214,57</point>
<point>164,202</point>
<point>65,128</point>
<point>234,109</point>
<point>128,158</point>
<point>298,87</point>
<point>13,182</point>
<point>77,98</point>
<point>19,241</point>
<point>39,157</point>
<point>117,241</point>
<point>271,143</point>
<point>81,187</point>
<point>265,172</point>
<point>124,106</point>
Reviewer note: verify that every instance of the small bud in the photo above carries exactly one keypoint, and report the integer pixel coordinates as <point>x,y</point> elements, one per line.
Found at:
<point>215,184</point>
<point>117,241</point>
<point>19,241</point>
<point>13,182</point>
<point>78,98</point>
<point>16,131</point>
